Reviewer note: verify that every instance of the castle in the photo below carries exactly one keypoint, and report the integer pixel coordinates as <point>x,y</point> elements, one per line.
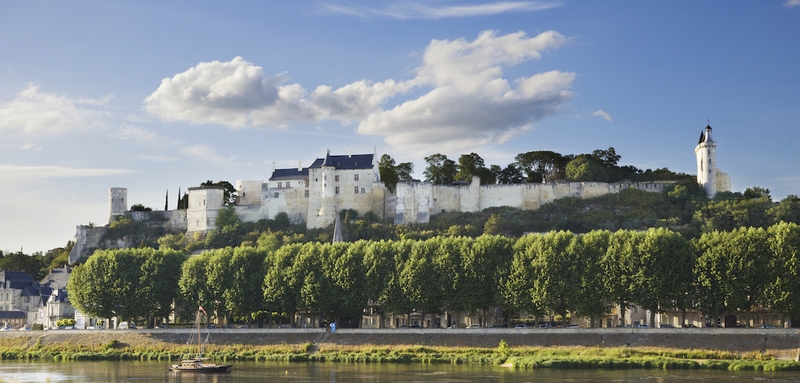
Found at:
<point>314,195</point>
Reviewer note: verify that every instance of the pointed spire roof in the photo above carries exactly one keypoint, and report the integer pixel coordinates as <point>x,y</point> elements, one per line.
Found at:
<point>337,230</point>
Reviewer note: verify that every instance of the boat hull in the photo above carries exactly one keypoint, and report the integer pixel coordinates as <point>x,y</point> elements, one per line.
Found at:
<point>205,368</point>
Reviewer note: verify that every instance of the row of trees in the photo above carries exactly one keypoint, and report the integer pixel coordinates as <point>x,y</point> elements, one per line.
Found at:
<point>529,167</point>
<point>557,273</point>
<point>38,264</point>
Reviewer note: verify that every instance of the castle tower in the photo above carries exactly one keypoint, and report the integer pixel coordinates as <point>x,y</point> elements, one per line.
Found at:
<point>117,202</point>
<point>707,163</point>
<point>327,211</point>
<point>205,202</point>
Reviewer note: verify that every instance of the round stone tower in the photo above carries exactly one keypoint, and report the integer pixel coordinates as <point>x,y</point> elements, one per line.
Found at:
<point>707,162</point>
<point>117,202</point>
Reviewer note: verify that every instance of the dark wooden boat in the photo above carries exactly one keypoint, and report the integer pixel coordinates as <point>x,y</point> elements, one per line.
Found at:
<point>196,364</point>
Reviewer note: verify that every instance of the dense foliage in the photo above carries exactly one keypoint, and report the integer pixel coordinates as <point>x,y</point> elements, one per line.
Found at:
<point>558,273</point>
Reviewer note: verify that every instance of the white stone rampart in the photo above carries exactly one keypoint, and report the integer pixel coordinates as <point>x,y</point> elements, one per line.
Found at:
<point>204,205</point>
<point>418,201</point>
<point>249,192</point>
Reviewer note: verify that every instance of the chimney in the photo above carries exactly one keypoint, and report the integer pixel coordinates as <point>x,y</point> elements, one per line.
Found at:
<point>299,166</point>
<point>273,166</point>
<point>349,153</point>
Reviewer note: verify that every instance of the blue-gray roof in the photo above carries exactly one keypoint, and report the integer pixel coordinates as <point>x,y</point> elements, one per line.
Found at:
<point>345,162</point>
<point>289,174</point>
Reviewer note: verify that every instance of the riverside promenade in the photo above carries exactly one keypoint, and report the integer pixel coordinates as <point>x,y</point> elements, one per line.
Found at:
<point>783,343</point>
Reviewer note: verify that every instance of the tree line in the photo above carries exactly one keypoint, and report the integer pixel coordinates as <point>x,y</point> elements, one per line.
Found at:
<point>559,272</point>
<point>602,165</point>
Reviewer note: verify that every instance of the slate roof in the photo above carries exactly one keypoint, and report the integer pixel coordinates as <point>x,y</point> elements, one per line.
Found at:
<point>13,315</point>
<point>15,279</point>
<point>345,162</point>
<point>57,278</point>
<point>289,174</point>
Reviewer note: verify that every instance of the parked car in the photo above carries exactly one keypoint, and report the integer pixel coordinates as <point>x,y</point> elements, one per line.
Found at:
<point>25,328</point>
<point>666,326</point>
<point>521,325</point>
<point>767,326</point>
<point>689,326</point>
<point>126,326</point>
<point>643,325</point>
<point>546,325</point>
<point>455,326</point>
<point>474,326</point>
<point>572,326</point>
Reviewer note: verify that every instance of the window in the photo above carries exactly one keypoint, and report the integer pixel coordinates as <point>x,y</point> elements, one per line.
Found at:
<point>355,177</point>
<point>276,195</point>
<point>306,194</point>
<point>336,178</point>
<point>355,190</point>
<point>306,183</point>
<point>363,191</point>
<point>337,190</point>
<point>280,185</point>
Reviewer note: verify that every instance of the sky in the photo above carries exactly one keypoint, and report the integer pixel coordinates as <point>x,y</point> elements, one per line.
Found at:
<point>155,96</point>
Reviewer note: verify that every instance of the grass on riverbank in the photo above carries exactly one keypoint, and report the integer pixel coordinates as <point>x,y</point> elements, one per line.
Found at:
<point>516,357</point>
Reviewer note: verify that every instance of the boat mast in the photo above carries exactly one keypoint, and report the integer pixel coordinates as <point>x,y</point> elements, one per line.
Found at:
<point>199,341</point>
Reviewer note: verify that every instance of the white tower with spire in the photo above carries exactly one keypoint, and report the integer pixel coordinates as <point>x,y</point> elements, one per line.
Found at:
<point>706,152</point>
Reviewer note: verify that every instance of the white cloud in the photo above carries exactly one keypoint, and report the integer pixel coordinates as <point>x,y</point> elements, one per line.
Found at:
<point>30,146</point>
<point>32,112</point>
<point>602,114</point>
<point>207,153</point>
<point>420,10</point>
<point>18,172</point>
<point>470,103</point>
<point>791,3</point>
<point>465,100</point>
<point>130,132</point>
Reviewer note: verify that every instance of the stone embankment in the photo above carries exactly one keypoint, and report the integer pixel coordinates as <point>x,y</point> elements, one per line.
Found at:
<point>782,342</point>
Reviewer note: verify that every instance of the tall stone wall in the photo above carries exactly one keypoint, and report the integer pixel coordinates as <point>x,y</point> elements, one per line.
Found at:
<point>418,201</point>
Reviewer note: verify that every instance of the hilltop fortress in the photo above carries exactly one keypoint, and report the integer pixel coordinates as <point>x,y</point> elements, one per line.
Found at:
<point>315,194</point>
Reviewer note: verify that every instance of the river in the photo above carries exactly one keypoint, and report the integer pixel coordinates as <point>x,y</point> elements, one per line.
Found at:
<point>144,372</point>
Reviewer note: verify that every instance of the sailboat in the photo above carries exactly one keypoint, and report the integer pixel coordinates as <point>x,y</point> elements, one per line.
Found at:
<point>196,364</point>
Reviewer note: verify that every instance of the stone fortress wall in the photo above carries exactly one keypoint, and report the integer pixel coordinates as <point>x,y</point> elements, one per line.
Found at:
<point>418,201</point>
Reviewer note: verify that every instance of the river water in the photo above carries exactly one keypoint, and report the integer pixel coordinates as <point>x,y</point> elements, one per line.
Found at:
<point>145,372</point>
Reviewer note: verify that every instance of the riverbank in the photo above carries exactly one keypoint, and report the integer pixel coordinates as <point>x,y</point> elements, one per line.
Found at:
<point>768,349</point>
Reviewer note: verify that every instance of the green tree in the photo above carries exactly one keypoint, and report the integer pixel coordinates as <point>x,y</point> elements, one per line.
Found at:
<point>556,272</point>
<point>392,173</point>
<point>193,284</point>
<point>586,168</point>
<point>472,164</point>
<point>783,290</point>
<point>517,293</point>
<point>246,296</point>
<point>618,270</point>
<point>592,300</point>
<point>663,263</point>
<point>281,284</point>
<point>788,210</point>
<point>440,170</point>
<point>161,270</point>
<point>542,166</point>
<point>733,269</point>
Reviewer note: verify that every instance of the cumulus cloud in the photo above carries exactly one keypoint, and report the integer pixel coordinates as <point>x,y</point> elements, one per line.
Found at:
<point>471,103</point>
<point>33,112</point>
<point>791,3</point>
<point>603,114</point>
<point>421,10</point>
<point>464,101</point>
<point>17,172</point>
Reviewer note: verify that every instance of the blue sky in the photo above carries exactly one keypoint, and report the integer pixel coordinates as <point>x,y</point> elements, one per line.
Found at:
<point>153,96</point>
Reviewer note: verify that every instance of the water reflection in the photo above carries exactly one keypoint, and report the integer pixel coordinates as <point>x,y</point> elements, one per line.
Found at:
<point>144,372</point>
